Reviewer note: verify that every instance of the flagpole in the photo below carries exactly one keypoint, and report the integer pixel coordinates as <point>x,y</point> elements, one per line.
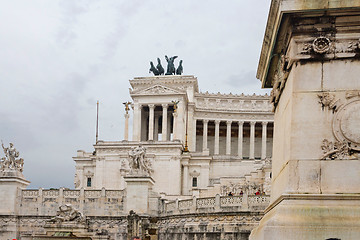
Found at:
<point>97,121</point>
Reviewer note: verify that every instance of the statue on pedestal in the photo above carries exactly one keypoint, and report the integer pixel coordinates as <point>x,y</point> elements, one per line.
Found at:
<point>138,163</point>
<point>11,159</point>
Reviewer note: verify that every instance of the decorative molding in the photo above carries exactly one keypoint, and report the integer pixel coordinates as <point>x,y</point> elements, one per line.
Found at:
<point>157,90</point>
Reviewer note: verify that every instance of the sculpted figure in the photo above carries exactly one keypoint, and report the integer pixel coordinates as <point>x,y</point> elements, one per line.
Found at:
<point>179,70</point>
<point>153,69</point>
<point>67,213</point>
<point>138,161</point>
<point>170,66</point>
<point>11,160</point>
<point>159,67</point>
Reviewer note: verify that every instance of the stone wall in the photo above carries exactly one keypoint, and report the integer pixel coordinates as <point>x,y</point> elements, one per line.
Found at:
<point>45,202</point>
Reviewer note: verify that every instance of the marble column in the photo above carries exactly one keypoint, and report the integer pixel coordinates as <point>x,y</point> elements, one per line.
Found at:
<point>164,122</point>
<point>137,122</point>
<point>151,122</point>
<point>205,134</point>
<point>217,130</point>
<point>240,139</point>
<point>252,140</point>
<point>228,137</point>
<point>175,114</point>
<point>126,130</point>
<point>263,140</point>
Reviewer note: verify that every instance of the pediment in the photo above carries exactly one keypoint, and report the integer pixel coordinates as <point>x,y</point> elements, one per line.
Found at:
<point>157,90</point>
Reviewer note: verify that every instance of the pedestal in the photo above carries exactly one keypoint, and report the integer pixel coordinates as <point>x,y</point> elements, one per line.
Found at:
<point>11,183</point>
<point>309,60</point>
<point>138,193</point>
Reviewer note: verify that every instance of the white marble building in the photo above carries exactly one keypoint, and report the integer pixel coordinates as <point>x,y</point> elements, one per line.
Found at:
<point>198,143</point>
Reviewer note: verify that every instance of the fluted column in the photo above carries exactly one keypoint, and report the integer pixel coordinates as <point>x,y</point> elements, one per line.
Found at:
<point>151,121</point>
<point>126,130</point>
<point>164,122</point>
<point>217,127</point>
<point>263,142</point>
<point>240,139</point>
<point>205,134</point>
<point>174,125</point>
<point>252,140</point>
<point>228,137</point>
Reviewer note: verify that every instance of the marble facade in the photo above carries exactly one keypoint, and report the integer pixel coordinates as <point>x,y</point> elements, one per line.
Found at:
<point>191,154</point>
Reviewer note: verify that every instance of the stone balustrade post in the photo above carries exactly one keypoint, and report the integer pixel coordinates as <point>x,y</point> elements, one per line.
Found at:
<point>177,211</point>
<point>81,199</point>
<point>194,207</point>
<point>40,201</point>
<point>217,203</point>
<point>61,196</point>
<point>245,201</point>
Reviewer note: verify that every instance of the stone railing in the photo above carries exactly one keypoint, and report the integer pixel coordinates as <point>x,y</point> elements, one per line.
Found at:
<point>216,204</point>
<point>90,202</point>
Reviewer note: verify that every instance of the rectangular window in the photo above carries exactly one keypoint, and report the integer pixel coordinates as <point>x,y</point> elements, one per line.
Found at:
<point>194,182</point>
<point>89,182</point>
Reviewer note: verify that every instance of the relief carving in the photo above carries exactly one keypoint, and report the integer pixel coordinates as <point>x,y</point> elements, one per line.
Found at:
<point>337,150</point>
<point>67,213</point>
<point>321,45</point>
<point>328,100</point>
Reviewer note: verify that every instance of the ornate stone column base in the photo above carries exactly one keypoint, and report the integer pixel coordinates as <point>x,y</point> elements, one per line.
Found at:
<point>138,193</point>
<point>309,216</point>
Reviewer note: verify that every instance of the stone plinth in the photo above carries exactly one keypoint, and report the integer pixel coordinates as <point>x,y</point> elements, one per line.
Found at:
<point>137,193</point>
<point>310,58</point>
<point>11,182</point>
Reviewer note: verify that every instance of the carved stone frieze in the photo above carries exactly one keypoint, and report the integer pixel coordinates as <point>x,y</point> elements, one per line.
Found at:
<point>321,45</point>
<point>157,90</point>
<point>234,104</point>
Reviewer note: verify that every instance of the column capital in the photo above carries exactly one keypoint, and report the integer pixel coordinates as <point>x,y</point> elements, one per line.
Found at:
<point>205,120</point>
<point>240,123</point>
<point>151,106</point>
<point>252,123</point>
<point>217,121</point>
<point>228,122</point>
<point>165,105</point>
<point>264,123</point>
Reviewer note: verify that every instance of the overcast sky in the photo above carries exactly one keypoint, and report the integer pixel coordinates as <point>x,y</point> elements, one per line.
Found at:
<point>58,57</point>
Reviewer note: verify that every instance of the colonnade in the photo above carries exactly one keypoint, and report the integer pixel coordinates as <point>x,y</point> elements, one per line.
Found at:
<point>153,123</point>
<point>240,138</point>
